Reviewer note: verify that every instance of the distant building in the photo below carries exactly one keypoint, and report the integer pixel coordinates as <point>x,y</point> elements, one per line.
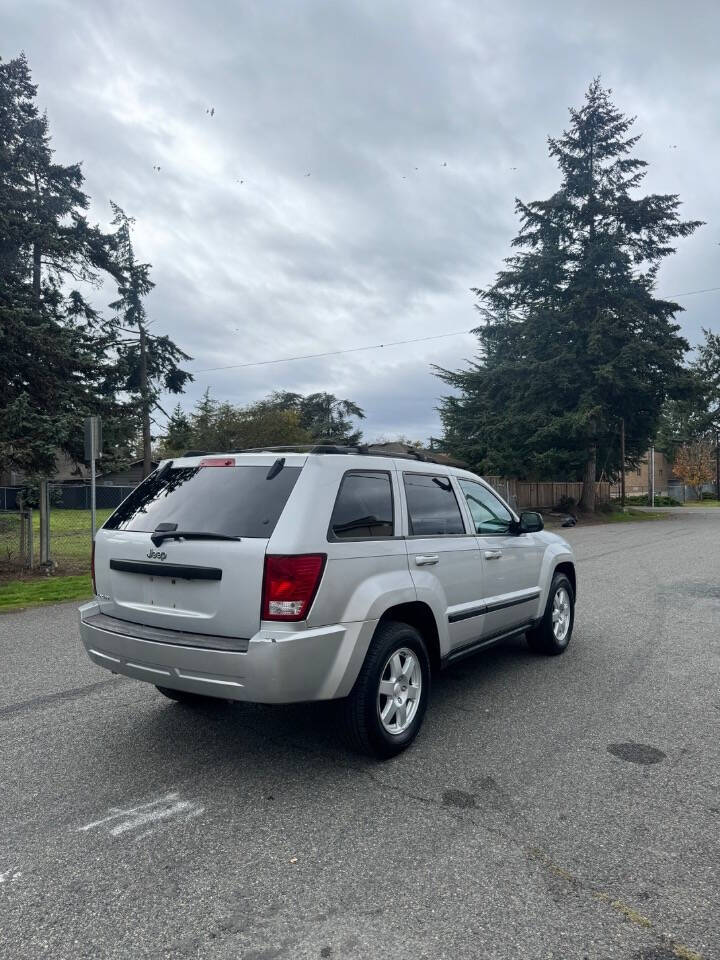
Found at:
<point>638,481</point>
<point>66,471</point>
<point>128,476</point>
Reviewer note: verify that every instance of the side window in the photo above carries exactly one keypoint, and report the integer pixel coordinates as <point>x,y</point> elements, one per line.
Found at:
<point>489,515</point>
<point>432,507</point>
<point>364,507</point>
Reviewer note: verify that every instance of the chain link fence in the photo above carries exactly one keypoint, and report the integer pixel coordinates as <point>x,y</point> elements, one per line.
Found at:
<point>683,493</point>
<point>70,526</point>
<point>71,530</point>
<point>16,540</point>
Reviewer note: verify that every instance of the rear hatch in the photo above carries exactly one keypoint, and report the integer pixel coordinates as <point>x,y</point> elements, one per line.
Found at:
<point>209,581</point>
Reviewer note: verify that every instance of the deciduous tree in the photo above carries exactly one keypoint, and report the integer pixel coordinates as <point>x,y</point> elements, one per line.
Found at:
<point>323,415</point>
<point>694,464</point>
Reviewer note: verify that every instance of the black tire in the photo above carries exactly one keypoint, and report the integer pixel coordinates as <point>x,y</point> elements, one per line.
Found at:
<point>182,696</point>
<point>542,639</point>
<point>362,726</point>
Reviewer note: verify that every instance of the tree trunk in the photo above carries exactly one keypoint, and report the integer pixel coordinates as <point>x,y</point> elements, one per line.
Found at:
<point>622,463</point>
<point>37,273</point>
<point>37,253</point>
<point>145,404</point>
<point>587,501</point>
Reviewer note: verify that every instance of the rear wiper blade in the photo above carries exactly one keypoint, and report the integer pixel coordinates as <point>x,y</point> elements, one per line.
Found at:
<point>160,535</point>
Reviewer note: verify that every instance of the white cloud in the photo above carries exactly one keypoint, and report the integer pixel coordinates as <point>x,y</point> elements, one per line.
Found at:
<point>367,248</point>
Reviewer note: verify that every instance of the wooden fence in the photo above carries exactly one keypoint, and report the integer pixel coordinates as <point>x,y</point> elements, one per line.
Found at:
<point>525,494</point>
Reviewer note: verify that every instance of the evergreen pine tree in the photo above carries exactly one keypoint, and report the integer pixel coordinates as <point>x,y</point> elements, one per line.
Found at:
<point>54,364</point>
<point>572,337</point>
<point>203,422</point>
<point>707,369</point>
<point>178,433</point>
<point>150,363</point>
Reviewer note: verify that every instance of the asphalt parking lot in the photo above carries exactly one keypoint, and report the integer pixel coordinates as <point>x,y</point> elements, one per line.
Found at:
<point>561,808</point>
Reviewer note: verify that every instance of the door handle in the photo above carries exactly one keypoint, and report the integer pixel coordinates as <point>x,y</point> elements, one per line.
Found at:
<point>426,560</point>
<point>493,554</point>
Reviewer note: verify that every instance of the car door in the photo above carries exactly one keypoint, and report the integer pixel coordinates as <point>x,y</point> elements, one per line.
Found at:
<point>443,555</point>
<point>511,562</point>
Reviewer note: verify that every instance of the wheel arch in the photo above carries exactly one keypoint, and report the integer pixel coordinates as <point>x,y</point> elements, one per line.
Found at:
<point>568,568</point>
<point>420,616</point>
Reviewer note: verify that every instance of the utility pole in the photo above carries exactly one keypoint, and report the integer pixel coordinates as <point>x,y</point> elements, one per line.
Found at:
<point>93,450</point>
<point>145,405</point>
<point>45,560</point>
<point>622,462</point>
<point>652,475</point>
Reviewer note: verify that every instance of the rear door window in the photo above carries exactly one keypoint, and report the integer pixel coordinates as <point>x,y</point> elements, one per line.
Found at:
<point>433,509</point>
<point>238,501</point>
<point>364,507</point>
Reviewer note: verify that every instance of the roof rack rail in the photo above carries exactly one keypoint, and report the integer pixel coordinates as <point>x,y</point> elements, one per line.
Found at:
<point>360,449</point>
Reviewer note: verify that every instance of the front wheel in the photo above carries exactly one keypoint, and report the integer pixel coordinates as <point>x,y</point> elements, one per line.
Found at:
<point>385,710</point>
<point>552,635</point>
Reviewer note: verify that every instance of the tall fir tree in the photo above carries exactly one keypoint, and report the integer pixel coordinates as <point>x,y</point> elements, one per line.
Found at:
<point>707,369</point>
<point>573,339</point>
<point>55,367</point>
<point>178,433</point>
<point>146,364</point>
<point>203,422</point>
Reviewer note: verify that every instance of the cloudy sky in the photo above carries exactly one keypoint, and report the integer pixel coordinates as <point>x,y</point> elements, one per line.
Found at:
<point>359,172</point>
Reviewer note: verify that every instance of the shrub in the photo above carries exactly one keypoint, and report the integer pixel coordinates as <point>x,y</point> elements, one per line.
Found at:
<point>707,495</point>
<point>566,504</point>
<point>642,500</point>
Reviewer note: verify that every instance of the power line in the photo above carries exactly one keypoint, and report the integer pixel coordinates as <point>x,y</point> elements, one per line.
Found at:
<point>333,353</point>
<point>377,346</point>
<point>690,293</point>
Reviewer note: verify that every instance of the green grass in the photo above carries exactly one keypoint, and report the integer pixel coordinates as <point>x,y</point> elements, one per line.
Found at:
<point>70,543</point>
<point>702,503</point>
<point>17,594</point>
<point>69,534</point>
<point>660,501</point>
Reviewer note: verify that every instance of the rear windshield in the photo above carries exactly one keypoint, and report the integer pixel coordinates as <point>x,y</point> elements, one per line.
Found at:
<point>237,501</point>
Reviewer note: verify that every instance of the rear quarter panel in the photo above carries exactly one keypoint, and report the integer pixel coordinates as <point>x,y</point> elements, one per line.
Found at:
<point>362,578</point>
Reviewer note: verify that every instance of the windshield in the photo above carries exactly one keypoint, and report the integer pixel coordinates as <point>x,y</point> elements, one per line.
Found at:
<point>237,501</point>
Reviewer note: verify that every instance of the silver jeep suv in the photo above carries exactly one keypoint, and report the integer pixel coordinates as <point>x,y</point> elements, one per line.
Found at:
<point>335,573</point>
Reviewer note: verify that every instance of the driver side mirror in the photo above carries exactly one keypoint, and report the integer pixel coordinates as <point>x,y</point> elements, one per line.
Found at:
<point>530,522</point>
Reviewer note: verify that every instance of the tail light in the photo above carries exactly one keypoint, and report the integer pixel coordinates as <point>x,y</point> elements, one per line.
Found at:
<point>92,568</point>
<point>290,584</point>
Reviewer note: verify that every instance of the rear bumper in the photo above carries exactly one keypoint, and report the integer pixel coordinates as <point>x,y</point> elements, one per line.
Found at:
<point>278,666</point>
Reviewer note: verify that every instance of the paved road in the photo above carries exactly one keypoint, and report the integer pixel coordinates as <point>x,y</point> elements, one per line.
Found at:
<point>132,827</point>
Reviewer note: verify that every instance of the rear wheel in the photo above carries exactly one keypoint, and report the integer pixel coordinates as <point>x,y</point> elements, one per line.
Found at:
<point>385,710</point>
<point>552,635</point>
<point>182,696</point>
